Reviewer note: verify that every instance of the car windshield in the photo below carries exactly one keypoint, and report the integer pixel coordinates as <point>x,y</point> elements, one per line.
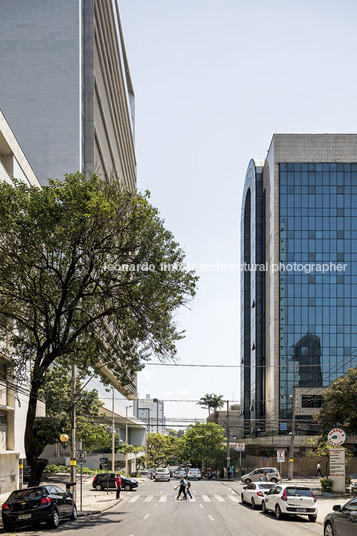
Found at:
<point>305,492</point>
<point>162,470</point>
<point>27,494</point>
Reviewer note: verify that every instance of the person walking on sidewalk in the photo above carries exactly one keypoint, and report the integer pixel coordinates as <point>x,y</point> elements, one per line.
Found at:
<point>188,489</point>
<point>118,485</point>
<point>318,470</point>
<point>182,489</point>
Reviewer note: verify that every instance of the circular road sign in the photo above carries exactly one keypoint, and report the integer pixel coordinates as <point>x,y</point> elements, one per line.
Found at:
<point>82,455</point>
<point>336,437</point>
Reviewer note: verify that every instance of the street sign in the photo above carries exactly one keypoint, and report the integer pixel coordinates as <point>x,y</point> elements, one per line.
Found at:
<point>336,437</point>
<point>280,456</point>
<point>240,447</point>
<point>81,455</point>
<point>228,458</point>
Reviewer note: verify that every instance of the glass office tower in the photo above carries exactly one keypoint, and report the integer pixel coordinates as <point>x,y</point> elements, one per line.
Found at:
<point>308,227</point>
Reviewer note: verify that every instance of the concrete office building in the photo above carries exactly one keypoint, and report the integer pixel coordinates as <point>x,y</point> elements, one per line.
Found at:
<point>66,88</point>
<point>299,281</point>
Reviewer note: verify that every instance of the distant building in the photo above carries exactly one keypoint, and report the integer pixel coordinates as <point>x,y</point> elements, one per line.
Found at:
<point>231,421</point>
<point>299,282</point>
<point>151,411</point>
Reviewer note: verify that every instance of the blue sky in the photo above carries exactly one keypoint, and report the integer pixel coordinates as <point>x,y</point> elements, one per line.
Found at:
<point>214,80</point>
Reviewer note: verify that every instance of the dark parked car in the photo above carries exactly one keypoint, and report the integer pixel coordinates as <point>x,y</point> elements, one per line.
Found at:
<point>107,481</point>
<point>342,521</point>
<point>38,504</point>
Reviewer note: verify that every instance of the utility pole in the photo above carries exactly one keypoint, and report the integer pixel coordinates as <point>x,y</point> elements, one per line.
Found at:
<point>113,435</point>
<point>228,434</point>
<point>73,430</point>
<point>126,438</point>
<point>292,438</point>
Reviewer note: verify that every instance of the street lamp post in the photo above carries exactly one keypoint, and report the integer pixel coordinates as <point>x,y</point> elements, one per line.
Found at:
<point>126,438</point>
<point>292,438</point>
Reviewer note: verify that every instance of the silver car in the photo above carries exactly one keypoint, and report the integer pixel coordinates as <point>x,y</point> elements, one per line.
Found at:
<point>162,474</point>
<point>272,474</point>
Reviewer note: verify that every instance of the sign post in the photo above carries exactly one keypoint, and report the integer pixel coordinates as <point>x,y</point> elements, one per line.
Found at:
<point>240,448</point>
<point>337,437</point>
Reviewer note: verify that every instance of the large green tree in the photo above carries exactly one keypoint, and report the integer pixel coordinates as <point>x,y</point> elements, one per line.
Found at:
<point>161,448</point>
<point>339,407</point>
<point>56,393</point>
<point>84,277</point>
<point>201,443</point>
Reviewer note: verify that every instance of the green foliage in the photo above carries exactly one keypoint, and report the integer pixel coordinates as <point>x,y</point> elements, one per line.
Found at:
<point>57,395</point>
<point>52,468</point>
<point>211,401</point>
<point>348,481</point>
<point>340,404</point>
<point>201,443</point>
<point>126,448</point>
<point>326,484</point>
<point>161,448</point>
<point>81,280</point>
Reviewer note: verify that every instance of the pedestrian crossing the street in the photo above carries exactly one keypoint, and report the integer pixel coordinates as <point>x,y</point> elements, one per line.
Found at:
<point>196,498</point>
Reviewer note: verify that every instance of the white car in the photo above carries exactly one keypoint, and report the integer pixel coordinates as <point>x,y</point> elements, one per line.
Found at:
<point>291,500</point>
<point>162,474</point>
<point>194,474</point>
<point>253,494</point>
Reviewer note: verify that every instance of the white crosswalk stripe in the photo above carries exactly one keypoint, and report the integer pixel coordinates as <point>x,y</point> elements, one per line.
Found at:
<point>135,498</point>
<point>206,498</point>
<point>219,498</point>
<point>163,498</point>
<point>233,498</point>
<point>149,498</point>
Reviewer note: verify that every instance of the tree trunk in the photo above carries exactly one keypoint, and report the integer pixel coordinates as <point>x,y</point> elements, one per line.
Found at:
<point>37,464</point>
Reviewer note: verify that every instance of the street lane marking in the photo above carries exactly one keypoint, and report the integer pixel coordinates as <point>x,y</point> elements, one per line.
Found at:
<point>201,506</point>
<point>160,492</point>
<point>148,498</point>
<point>133,499</point>
<point>211,518</point>
<point>219,498</point>
<point>147,515</point>
<point>155,505</point>
<point>206,498</point>
<point>163,498</point>
<point>232,498</point>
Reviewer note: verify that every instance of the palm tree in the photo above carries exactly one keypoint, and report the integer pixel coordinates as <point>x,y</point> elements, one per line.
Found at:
<point>211,401</point>
<point>216,402</point>
<point>206,401</point>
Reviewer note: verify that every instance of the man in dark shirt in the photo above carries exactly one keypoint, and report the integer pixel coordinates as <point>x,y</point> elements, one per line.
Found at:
<point>182,488</point>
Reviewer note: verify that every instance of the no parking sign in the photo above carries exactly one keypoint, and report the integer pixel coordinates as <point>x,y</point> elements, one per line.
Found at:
<point>280,456</point>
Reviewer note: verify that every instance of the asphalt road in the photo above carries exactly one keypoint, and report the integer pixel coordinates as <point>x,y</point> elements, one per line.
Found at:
<point>152,509</point>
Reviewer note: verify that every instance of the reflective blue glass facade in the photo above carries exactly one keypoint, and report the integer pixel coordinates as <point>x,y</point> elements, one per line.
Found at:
<point>318,309</point>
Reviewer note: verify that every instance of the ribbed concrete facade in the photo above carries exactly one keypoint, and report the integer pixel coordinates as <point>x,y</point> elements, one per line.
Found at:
<point>66,87</point>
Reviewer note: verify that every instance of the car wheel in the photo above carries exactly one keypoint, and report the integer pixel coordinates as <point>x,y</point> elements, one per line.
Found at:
<point>247,481</point>
<point>252,504</point>
<point>274,480</point>
<point>278,513</point>
<point>127,487</point>
<point>328,530</point>
<point>54,519</point>
<point>99,487</point>
<point>74,513</point>
<point>312,519</point>
<point>8,527</point>
<point>264,508</point>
